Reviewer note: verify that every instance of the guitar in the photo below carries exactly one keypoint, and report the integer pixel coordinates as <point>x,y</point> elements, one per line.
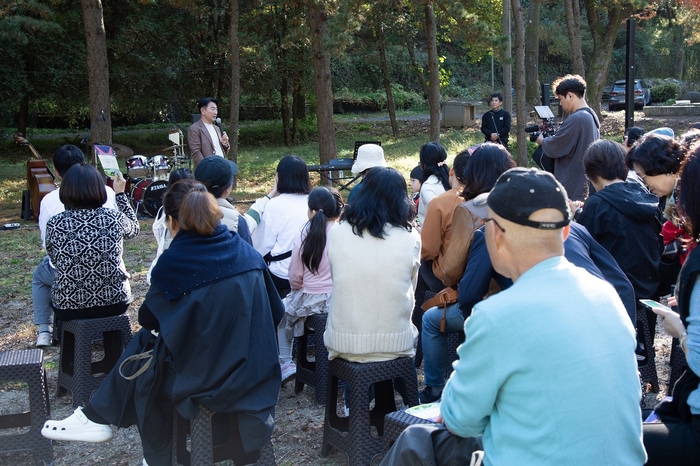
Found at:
<point>40,179</point>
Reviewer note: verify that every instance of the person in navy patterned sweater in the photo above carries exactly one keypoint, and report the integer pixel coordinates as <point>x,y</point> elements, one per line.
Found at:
<point>85,244</point>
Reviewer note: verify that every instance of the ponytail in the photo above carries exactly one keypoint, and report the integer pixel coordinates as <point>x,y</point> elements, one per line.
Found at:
<point>328,205</point>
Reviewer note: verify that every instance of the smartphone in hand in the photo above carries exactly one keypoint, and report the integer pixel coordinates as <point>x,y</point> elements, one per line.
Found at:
<point>651,304</point>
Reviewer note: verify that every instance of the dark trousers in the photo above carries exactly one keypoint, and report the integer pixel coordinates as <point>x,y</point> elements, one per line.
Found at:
<point>427,281</point>
<point>673,443</point>
<point>431,445</point>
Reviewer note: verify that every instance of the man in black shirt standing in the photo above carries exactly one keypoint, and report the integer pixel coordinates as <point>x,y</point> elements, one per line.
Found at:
<point>495,124</point>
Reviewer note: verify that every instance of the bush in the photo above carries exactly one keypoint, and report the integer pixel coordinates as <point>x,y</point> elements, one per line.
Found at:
<point>664,91</point>
<point>270,133</point>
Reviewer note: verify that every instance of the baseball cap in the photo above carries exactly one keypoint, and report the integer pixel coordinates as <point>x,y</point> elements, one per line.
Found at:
<point>216,171</point>
<point>519,192</point>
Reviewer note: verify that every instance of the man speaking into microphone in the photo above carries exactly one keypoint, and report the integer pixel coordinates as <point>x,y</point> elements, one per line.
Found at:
<point>205,138</point>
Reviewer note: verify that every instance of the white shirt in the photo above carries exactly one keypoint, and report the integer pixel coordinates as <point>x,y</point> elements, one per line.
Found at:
<point>215,139</point>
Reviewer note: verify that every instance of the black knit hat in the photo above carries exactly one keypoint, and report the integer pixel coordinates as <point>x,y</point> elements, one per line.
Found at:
<point>519,192</point>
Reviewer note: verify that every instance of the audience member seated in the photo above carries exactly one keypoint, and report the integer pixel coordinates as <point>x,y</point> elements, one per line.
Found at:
<point>160,229</point>
<point>516,389</point>
<point>416,183</point>
<point>621,216</point>
<point>283,219</point>
<point>374,256</point>
<point>85,243</point>
<point>436,176</point>
<point>369,156</point>
<point>209,317</point>
<point>309,273</point>
<point>216,173</point>
<point>484,167</point>
<point>676,438</point>
<point>65,157</point>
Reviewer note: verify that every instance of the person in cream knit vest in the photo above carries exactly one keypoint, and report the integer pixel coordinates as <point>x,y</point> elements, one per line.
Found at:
<point>374,257</point>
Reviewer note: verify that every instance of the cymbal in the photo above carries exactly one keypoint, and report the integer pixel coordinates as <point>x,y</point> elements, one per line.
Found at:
<point>122,151</point>
<point>172,147</point>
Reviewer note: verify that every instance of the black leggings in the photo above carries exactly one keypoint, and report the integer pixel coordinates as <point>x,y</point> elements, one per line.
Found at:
<point>676,443</point>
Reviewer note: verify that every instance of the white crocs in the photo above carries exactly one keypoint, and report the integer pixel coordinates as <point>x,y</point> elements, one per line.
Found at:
<point>77,427</point>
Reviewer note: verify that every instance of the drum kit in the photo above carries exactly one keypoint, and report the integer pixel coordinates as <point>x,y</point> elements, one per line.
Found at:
<point>147,178</point>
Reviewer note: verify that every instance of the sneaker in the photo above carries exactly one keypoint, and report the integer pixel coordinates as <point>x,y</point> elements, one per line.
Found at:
<point>77,427</point>
<point>44,339</point>
<point>427,395</point>
<point>289,370</point>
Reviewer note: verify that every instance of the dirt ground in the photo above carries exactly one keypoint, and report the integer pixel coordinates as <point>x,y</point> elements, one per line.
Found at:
<point>299,421</point>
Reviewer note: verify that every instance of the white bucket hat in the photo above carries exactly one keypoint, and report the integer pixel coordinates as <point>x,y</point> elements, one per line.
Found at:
<point>368,156</point>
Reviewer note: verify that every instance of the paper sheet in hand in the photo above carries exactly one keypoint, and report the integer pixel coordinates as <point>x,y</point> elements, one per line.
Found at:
<point>108,160</point>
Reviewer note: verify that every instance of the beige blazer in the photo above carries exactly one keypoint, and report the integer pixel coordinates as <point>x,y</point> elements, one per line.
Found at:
<point>200,142</point>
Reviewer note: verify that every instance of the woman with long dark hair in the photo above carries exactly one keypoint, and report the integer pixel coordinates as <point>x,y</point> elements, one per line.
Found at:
<point>436,176</point>
<point>484,167</point>
<point>374,256</point>
<point>309,272</point>
<point>209,318</point>
<point>283,219</point>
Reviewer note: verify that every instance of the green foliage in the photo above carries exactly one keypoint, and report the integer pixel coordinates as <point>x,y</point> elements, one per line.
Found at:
<point>376,100</point>
<point>270,133</point>
<point>665,91</point>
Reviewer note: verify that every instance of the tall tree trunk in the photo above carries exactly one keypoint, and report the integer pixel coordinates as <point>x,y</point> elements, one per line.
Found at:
<point>23,114</point>
<point>434,72</point>
<point>318,22</point>
<point>379,32</point>
<point>572,12</point>
<point>98,71</point>
<point>532,53</point>
<point>679,62</point>
<point>235,82</point>
<point>416,69</point>
<point>603,40</point>
<point>284,100</point>
<point>507,66</point>
<point>521,109</point>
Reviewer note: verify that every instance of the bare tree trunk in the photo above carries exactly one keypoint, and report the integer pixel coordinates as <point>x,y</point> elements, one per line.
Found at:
<point>603,40</point>
<point>284,100</point>
<point>386,74</point>
<point>520,105</point>
<point>532,53</point>
<point>679,62</point>
<point>318,22</point>
<point>434,87</point>
<point>235,82</point>
<point>572,11</point>
<point>98,70</point>
<point>23,114</point>
<point>507,67</point>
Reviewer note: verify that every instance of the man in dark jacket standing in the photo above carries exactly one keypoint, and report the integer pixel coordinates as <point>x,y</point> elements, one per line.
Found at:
<point>495,124</point>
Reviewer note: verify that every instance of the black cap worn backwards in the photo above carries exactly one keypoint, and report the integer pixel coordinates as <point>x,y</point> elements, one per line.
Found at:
<point>519,192</point>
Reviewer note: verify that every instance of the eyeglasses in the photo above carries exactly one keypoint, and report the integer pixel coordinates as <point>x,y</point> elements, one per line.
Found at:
<point>484,220</point>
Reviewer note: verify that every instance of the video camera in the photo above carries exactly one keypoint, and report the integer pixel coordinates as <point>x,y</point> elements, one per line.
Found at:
<point>547,128</point>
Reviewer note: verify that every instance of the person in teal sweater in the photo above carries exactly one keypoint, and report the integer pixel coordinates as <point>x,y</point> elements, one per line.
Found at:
<point>520,386</point>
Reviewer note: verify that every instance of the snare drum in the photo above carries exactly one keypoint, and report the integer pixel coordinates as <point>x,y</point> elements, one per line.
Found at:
<point>137,166</point>
<point>161,167</point>
<point>147,196</point>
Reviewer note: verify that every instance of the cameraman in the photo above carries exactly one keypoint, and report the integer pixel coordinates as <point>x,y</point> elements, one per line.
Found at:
<point>579,130</point>
<point>495,124</point>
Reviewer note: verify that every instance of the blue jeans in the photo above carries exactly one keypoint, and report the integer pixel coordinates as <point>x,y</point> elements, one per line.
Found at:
<point>42,280</point>
<point>435,343</point>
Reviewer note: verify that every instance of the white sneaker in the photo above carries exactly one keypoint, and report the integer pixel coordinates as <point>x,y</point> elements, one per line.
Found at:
<point>289,370</point>
<point>44,339</point>
<point>77,427</point>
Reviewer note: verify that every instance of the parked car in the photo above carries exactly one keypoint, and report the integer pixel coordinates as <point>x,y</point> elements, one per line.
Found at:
<point>606,93</point>
<point>642,95</point>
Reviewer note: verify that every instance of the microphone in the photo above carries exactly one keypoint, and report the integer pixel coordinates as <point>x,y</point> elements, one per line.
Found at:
<point>104,118</point>
<point>218,123</point>
<point>532,128</point>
